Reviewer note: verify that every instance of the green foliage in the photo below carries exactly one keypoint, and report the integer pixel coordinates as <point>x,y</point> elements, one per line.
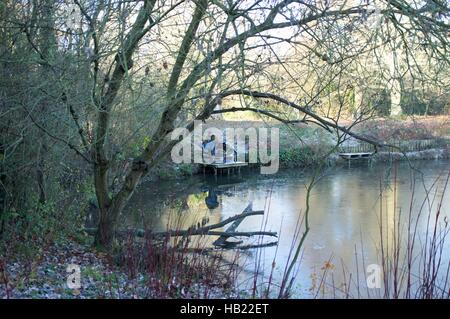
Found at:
<point>86,191</point>
<point>168,170</point>
<point>415,102</point>
<point>380,101</point>
<point>298,157</point>
<point>412,103</point>
<point>27,228</point>
<point>37,226</point>
<point>185,169</point>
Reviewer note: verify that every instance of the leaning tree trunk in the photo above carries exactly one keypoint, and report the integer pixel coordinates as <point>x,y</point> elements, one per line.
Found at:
<point>110,208</point>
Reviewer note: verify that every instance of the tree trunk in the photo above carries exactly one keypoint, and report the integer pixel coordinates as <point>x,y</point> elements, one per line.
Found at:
<point>358,101</point>
<point>105,230</point>
<point>110,209</point>
<point>47,45</point>
<point>395,82</point>
<point>396,95</point>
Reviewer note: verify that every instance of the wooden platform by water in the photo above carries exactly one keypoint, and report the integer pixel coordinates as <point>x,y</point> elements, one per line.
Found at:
<point>228,167</point>
<point>359,155</point>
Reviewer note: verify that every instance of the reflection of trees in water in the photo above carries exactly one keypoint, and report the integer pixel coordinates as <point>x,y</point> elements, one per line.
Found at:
<point>181,205</point>
<point>161,212</point>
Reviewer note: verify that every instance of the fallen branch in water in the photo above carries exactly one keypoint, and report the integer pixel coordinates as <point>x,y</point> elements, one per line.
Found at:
<point>196,232</point>
<point>222,240</point>
<point>208,231</point>
<point>243,247</point>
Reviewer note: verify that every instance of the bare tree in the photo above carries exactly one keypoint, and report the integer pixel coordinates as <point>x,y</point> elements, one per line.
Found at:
<point>166,63</point>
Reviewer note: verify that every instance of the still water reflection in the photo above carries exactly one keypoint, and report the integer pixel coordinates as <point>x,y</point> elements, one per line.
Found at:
<point>345,208</point>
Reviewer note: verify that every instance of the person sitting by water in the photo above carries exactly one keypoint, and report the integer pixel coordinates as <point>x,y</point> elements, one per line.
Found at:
<point>210,146</point>
<point>229,152</point>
